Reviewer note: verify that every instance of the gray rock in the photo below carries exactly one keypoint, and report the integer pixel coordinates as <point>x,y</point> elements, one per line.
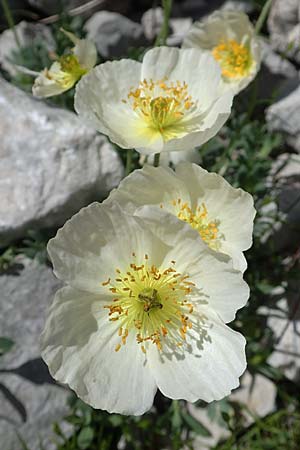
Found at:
<point>286,356</point>
<point>277,76</point>
<point>257,393</point>
<point>284,116</point>
<point>114,34</point>
<point>284,232</point>
<point>39,402</point>
<point>28,34</point>
<point>50,164</point>
<point>152,21</point>
<point>284,27</point>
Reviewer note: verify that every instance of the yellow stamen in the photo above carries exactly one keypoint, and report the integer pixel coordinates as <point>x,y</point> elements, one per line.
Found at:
<point>152,302</point>
<point>200,221</point>
<point>235,59</point>
<point>162,105</point>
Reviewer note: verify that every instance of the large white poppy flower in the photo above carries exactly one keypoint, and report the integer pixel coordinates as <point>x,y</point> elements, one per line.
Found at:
<point>145,308</point>
<point>221,214</point>
<point>230,37</point>
<point>171,101</point>
<point>64,73</point>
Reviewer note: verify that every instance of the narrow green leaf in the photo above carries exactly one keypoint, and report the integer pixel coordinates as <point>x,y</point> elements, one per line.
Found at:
<point>195,425</point>
<point>85,438</point>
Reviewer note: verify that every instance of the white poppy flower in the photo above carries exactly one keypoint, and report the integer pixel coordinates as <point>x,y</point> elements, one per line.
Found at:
<point>64,73</point>
<point>221,214</point>
<point>145,308</point>
<point>230,37</point>
<point>171,101</point>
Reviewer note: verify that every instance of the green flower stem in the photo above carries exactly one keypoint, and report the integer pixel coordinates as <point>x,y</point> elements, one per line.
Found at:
<point>10,20</point>
<point>128,162</point>
<point>263,16</point>
<point>156,160</point>
<point>163,34</point>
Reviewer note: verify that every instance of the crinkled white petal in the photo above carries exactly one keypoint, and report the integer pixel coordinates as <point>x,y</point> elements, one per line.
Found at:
<point>100,238</point>
<point>223,287</point>
<point>211,368</point>
<point>148,186</point>
<point>208,126</point>
<point>78,345</point>
<point>233,207</point>
<point>86,53</point>
<point>199,70</point>
<point>47,87</point>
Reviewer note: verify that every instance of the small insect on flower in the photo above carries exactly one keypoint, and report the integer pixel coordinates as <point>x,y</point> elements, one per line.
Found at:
<point>230,38</point>
<point>144,308</point>
<point>67,70</point>
<point>172,101</point>
<point>222,215</point>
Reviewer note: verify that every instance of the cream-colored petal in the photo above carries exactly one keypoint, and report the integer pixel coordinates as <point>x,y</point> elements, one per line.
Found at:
<point>210,368</point>
<point>148,186</point>
<point>196,68</point>
<point>45,86</point>
<point>233,207</point>
<point>99,98</point>
<point>86,53</point>
<point>89,248</point>
<point>78,345</point>
<point>208,127</point>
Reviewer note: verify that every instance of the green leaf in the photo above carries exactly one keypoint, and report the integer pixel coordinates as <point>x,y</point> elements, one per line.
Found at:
<point>195,425</point>
<point>5,345</point>
<point>85,437</point>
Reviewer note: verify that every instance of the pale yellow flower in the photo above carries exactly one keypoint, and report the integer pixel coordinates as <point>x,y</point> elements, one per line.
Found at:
<point>64,73</point>
<point>230,38</point>
<point>145,307</point>
<point>171,101</point>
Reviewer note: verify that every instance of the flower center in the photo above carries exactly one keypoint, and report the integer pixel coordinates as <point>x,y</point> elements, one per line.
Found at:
<point>152,302</point>
<point>200,221</point>
<point>162,105</point>
<point>235,59</point>
<point>70,71</point>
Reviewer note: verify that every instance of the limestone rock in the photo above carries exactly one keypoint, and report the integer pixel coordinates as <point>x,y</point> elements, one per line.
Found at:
<point>287,331</point>
<point>114,34</point>
<point>284,116</point>
<point>284,232</point>
<point>284,27</point>
<point>50,164</point>
<point>30,400</point>
<point>28,34</point>
<point>152,21</point>
<point>257,393</point>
